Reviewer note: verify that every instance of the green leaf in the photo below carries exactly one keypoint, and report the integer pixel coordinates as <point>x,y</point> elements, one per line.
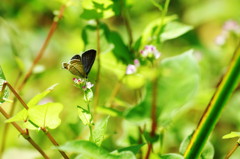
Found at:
<point>109,111</point>
<point>231,135</point>
<point>3,95</point>
<point>88,95</point>
<point>173,30</point>
<point>97,9</point>
<point>20,116</point>
<point>177,84</point>
<point>171,156</point>
<point>91,151</point>
<point>141,112</point>
<point>99,131</point>
<point>46,115</point>
<point>120,50</point>
<point>150,34</point>
<point>34,101</point>
<point>134,149</point>
<point>85,116</point>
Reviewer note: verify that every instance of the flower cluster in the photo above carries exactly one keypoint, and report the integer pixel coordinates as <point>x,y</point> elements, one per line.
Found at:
<point>229,26</point>
<point>131,69</point>
<point>150,51</point>
<point>82,83</point>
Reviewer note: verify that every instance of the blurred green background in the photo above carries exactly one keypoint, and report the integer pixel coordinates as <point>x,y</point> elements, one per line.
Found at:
<point>24,26</point>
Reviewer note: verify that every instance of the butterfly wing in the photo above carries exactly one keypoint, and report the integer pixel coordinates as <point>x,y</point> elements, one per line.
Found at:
<point>78,57</point>
<point>88,58</point>
<point>76,67</point>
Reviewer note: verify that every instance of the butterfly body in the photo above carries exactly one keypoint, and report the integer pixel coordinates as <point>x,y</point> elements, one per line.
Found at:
<point>81,65</point>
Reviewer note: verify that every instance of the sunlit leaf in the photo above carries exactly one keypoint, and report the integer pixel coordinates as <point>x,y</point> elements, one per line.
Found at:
<point>150,32</point>
<point>99,131</point>
<point>92,151</point>
<point>171,156</point>
<point>88,95</point>
<point>173,30</point>
<point>85,116</point>
<point>177,84</point>
<point>97,9</point>
<point>5,93</point>
<point>231,135</point>
<point>34,101</point>
<point>46,115</point>
<point>20,116</point>
<point>109,111</point>
<point>120,50</point>
<point>134,149</point>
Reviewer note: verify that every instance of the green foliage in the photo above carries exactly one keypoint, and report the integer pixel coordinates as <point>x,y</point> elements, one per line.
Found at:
<point>45,116</point>
<point>173,30</point>
<point>182,69</point>
<point>40,116</point>
<point>171,156</point>
<point>125,28</point>
<point>120,49</point>
<point>3,95</point>
<point>36,99</point>
<point>171,96</point>
<point>92,151</point>
<point>99,131</point>
<point>231,135</point>
<point>134,149</point>
<point>97,9</point>
<point>85,116</point>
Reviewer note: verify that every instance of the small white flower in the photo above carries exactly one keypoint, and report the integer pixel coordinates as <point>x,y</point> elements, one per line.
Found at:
<point>89,85</point>
<point>231,25</point>
<point>220,40</point>
<point>131,69</point>
<point>136,62</point>
<point>150,51</point>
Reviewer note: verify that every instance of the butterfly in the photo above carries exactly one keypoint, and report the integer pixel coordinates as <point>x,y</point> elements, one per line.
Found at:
<point>81,65</point>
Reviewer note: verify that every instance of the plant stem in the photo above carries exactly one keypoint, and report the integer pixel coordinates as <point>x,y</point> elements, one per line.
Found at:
<point>29,73</point>
<point>128,27</point>
<point>90,125</point>
<point>115,91</point>
<point>54,142</point>
<point>97,88</point>
<point>43,48</point>
<point>215,107</point>
<point>232,151</point>
<point>26,107</point>
<point>153,114</point>
<point>24,134</point>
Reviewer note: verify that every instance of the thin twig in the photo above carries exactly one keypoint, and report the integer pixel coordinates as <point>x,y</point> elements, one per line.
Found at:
<point>43,48</point>
<point>129,30</point>
<point>36,60</point>
<point>26,107</point>
<point>97,88</point>
<point>54,142</point>
<point>153,114</point>
<point>115,91</point>
<point>24,134</point>
<point>232,151</point>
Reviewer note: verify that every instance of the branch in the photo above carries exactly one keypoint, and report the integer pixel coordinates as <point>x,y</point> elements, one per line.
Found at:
<point>153,115</point>
<point>24,134</point>
<point>232,151</point>
<point>43,48</point>
<point>26,107</point>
